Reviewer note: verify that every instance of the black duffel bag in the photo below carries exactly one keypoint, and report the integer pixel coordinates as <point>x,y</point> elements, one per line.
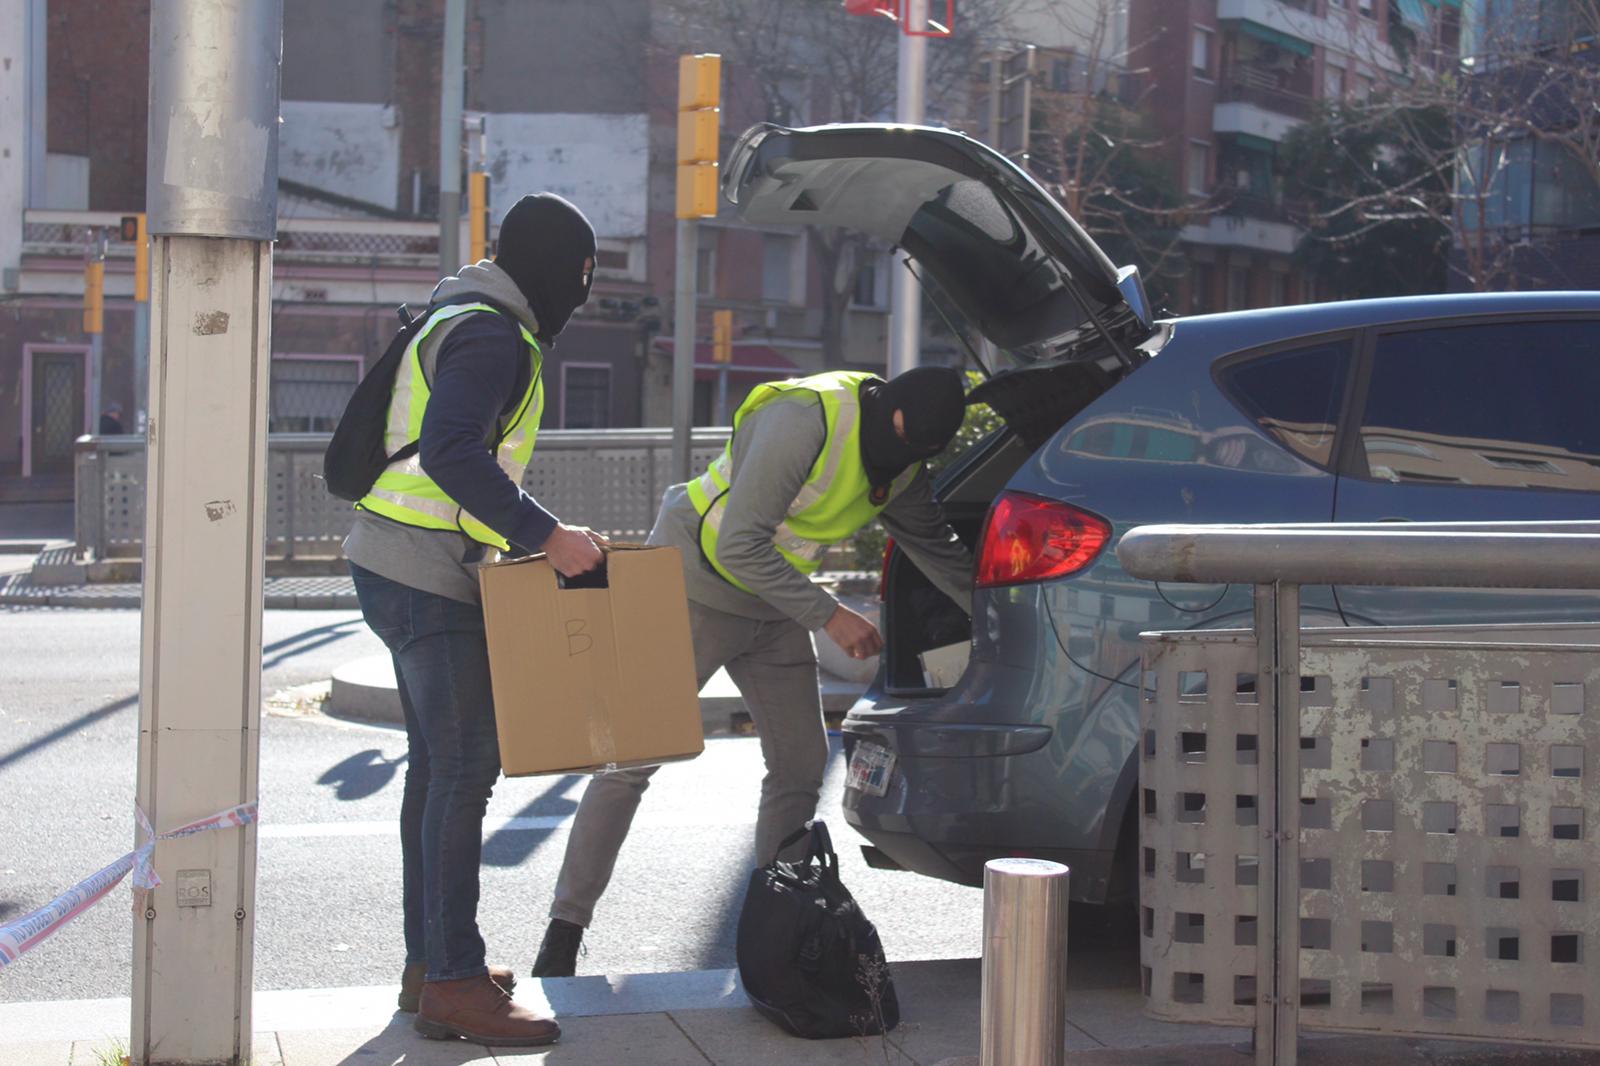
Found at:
<point>809,959</point>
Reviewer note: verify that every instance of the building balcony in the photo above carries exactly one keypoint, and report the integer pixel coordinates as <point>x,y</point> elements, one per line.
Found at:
<point>1242,203</point>
<point>1358,36</point>
<point>1234,231</point>
<point>1252,119</point>
<point>1246,89</point>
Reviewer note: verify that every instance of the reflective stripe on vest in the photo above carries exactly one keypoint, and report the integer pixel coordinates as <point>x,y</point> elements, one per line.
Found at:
<point>835,501</point>
<point>404,492</point>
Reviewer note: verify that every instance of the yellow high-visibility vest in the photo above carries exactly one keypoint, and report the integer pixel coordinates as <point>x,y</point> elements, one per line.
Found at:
<point>406,494</point>
<point>836,499</point>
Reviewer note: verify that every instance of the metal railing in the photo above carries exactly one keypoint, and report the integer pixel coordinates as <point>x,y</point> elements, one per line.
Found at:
<point>1238,90</point>
<point>1371,830</point>
<point>609,479</point>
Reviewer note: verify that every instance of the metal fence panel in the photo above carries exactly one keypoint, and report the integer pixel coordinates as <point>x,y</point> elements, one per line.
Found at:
<point>1448,795</point>
<point>611,480</point>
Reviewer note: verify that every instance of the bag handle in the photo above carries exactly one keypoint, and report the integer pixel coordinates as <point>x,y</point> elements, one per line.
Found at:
<point>821,850</point>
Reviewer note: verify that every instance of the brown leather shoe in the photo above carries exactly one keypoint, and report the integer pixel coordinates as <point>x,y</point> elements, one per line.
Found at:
<point>411,984</point>
<point>477,1009</point>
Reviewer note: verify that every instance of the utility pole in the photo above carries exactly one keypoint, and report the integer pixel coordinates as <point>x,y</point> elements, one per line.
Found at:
<point>905,319</point>
<point>212,187</point>
<point>452,88</point>
<point>699,100</point>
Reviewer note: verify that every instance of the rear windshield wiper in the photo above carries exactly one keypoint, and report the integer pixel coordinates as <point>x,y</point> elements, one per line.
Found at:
<point>938,305</point>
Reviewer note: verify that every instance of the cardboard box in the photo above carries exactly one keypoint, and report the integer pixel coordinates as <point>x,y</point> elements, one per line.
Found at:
<point>595,674</point>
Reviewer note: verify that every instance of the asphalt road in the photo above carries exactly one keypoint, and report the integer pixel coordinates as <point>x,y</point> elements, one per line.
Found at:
<point>328,891</point>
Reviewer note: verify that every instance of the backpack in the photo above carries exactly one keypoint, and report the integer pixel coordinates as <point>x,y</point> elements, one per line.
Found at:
<point>810,961</point>
<point>356,457</point>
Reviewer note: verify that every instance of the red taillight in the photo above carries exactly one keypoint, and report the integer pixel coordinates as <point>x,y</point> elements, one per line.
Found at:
<point>883,574</point>
<point>1029,538</point>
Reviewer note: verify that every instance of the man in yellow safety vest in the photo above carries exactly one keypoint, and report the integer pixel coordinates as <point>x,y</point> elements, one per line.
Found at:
<point>469,392</point>
<point>811,462</point>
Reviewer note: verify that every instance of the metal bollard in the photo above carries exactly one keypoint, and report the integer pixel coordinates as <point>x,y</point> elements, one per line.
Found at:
<point>1024,1011</point>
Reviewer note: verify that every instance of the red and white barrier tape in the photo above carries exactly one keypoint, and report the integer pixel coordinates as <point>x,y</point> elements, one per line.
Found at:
<point>26,933</point>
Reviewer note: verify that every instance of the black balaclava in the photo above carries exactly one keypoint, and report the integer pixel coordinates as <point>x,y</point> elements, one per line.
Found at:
<point>934,401</point>
<point>544,243</point>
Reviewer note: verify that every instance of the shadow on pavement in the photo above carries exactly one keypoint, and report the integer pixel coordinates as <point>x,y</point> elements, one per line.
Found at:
<point>511,846</point>
<point>361,775</point>
<point>67,729</point>
<point>280,651</point>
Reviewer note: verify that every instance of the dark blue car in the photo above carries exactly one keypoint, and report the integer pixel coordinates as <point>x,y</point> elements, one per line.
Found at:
<point>1014,733</point>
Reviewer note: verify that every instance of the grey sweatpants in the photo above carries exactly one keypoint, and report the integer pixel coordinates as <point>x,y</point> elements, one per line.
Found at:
<point>775,667</point>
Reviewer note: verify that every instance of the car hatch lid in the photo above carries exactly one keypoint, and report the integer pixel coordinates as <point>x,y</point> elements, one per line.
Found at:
<point>1015,264</point>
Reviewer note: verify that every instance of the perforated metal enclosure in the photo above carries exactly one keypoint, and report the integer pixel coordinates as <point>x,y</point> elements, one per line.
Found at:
<point>1443,860</point>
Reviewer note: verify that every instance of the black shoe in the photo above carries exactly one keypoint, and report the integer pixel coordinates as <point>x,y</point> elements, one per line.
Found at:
<point>558,955</point>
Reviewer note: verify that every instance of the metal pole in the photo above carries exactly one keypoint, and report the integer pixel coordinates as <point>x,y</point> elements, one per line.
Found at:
<point>683,344</point>
<point>905,317</point>
<point>722,398</point>
<point>452,88</point>
<point>97,362</point>
<point>1023,1017</point>
<point>1277,620</point>
<point>212,189</point>
<point>141,365</point>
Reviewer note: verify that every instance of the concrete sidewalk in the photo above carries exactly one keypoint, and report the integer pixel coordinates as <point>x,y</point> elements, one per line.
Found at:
<point>696,1019</point>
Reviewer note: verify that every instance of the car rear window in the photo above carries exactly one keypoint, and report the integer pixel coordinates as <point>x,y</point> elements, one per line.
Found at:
<point>1502,405</point>
<point>1295,396</point>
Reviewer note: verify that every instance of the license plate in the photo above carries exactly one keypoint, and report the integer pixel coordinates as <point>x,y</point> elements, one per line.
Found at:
<point>870,767</point>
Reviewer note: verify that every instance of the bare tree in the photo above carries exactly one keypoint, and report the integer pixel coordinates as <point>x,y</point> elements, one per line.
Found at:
<point>1499,138</point>
<point>812,62</point>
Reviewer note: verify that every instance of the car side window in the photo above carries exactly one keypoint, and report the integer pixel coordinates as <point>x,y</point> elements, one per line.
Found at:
<point>1501,405</point>
<point>1295,396</point>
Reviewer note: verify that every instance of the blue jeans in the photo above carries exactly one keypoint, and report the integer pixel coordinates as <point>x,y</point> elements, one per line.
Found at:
<point>441,661</point>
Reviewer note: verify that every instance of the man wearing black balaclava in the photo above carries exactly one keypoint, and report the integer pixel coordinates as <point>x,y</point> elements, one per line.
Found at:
<point>472,378</point>
<point>811,462</point>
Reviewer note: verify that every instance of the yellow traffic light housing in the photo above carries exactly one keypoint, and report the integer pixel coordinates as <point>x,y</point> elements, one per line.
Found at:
<point>722,336</point>
<point>699,82</point>
<point>699,96</point>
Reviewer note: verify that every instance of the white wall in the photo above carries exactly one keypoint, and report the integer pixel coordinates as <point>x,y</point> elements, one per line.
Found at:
<point>351,149</point>
<point>66,183</point>
<point>14,130</point>
<point>599,162</point>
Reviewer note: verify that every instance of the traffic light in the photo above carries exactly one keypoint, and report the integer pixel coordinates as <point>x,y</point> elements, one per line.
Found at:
<point>722,336</point>
<point>478,215</point>
<point>699,98</point>
<point>94,295</point>
<point>132,230</point>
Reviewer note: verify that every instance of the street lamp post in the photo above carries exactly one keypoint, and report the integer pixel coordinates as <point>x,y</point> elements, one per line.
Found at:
<point>905,319</point>
<point>212,191</point>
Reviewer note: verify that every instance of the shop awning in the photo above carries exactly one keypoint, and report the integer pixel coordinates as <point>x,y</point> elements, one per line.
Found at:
<point>1278,37</point>
<point>1251,142</point>
<point>1413,13</point>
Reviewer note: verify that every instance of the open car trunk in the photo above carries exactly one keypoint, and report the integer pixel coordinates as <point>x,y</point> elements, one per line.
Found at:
<point>1046,317</point>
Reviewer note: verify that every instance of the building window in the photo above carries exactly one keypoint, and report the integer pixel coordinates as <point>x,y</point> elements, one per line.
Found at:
<point>1200,289</point>
<point>1280,288</point>
<point>777,267</point>
<point>872,281</point>
<point>1061,75</point>
<point>585,396</point>
<point>1365,7</point>
<point>1238,288</point>
<point>1333,82</point>
<point>1364,86</point>
<point>308,392</point>
<point>1199,168</point>
<point>1200,52</point>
